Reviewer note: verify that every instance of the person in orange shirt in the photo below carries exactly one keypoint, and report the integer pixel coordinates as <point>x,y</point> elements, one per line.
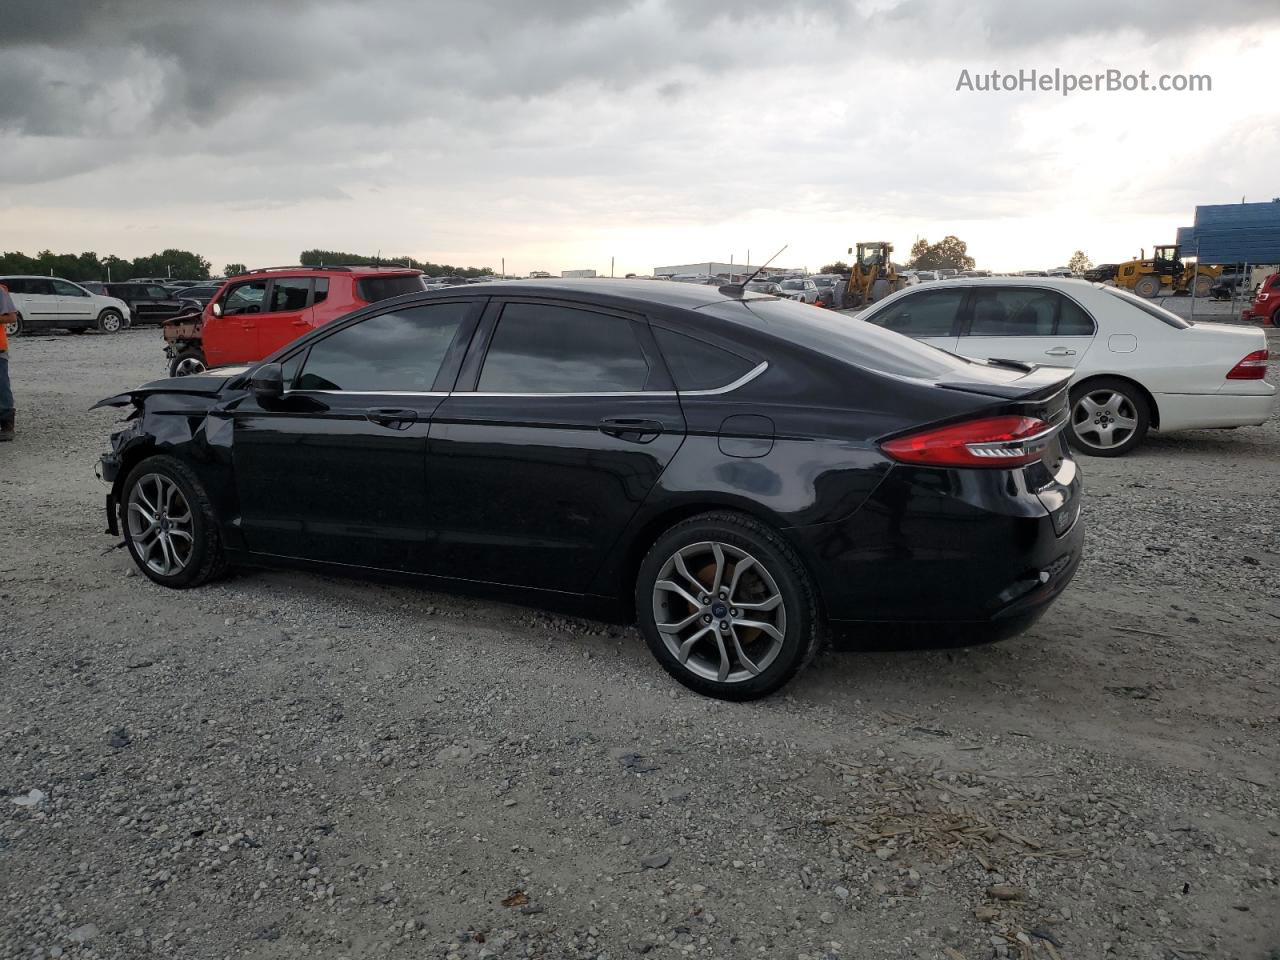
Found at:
<point>8,314</point>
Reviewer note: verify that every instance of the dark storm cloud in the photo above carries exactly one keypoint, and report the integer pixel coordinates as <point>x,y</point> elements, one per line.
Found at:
<point>67,64</point>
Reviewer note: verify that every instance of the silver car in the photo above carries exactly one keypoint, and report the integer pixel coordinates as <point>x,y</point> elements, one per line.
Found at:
<point>806,291</point>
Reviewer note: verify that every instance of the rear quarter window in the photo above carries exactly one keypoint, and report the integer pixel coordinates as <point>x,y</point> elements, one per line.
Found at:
<point>1167,317</point>
<point>844,338</point>
<point>697,365</point>
<point>374,289</point>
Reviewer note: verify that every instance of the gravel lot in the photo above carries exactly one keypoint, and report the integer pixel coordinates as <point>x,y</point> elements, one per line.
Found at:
<point>288,765</point>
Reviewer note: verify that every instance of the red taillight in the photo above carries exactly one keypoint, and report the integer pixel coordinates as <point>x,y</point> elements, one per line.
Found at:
<point>999,442</point>
<point>1252,367</point>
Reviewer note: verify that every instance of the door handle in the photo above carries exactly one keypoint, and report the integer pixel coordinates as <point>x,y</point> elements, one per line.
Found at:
<point>633,430</point>
<point>300,323</point>
<point>394,418</point>
<point>1060,352</point>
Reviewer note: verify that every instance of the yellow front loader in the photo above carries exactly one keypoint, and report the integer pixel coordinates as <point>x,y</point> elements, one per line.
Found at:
<point>872,276</point>
<point>1165,271</point>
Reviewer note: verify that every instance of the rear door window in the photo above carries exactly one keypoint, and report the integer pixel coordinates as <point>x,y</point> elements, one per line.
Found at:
<point>396,352</point>
<point>931,313</point>
<point>290,294</point>
<point>548,348</point>
<point>1012,312</point>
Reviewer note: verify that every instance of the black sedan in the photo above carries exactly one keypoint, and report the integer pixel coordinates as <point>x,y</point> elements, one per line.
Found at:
<point>735,472</point>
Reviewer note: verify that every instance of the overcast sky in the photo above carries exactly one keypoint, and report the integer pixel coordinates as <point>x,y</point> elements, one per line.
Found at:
<point>559,133</point>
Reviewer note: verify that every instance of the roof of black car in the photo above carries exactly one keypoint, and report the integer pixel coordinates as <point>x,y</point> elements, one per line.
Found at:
<point>669,293</point>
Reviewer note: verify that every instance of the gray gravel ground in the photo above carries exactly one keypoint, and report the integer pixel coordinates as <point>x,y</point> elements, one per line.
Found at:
<point>287,765</point>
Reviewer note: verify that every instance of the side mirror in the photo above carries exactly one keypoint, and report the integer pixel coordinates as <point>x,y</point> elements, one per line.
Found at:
<point>216,310</point>
<point>267,383</point>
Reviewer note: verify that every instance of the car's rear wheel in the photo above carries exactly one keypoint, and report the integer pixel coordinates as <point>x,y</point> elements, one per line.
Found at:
<point>110,321</point>
<point>169,524</point>
<point>1148,287</point>
<point>727,607</point>
<point>187,361</point>
<point>1109,417</point>
<point>14,327</point>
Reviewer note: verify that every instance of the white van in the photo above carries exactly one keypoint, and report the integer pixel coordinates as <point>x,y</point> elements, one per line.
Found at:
<point>45,302</point>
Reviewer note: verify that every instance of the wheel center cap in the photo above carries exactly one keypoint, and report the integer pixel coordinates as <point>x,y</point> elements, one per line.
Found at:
<point>719,610</point>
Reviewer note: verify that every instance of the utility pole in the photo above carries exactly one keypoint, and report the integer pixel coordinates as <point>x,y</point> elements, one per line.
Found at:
<point>504,268</point>
<point>611,259</point>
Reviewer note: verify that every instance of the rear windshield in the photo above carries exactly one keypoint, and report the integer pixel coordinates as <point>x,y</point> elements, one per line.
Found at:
<point>846,338</point>
<point>1149,308</point>
<point>373,289</point>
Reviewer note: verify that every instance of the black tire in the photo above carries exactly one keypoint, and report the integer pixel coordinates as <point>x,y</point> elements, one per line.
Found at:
<point>1202,283</point>
<point>802,633</point>
<point>206,560</point>
<point>1086,436</point>
<point>1147,287</point>
<point>110,321</point>
<point>16,328</point>
<point>185,361</point>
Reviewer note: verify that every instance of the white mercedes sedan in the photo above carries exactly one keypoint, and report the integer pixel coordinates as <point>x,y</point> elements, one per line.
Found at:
<point>1138,366</point>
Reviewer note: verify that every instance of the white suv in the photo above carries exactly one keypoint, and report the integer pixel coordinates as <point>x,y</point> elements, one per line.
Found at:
<point>45,302</point>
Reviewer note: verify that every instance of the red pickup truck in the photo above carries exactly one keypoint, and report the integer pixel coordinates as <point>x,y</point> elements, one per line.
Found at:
<point>258,312</point>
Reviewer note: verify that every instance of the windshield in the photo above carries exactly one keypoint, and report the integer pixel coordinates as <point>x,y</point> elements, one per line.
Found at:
<point>1149,308</point>
<point>850,340</point>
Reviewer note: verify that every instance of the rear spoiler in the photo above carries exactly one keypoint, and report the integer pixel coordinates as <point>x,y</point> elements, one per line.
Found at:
<point>1039,382</point>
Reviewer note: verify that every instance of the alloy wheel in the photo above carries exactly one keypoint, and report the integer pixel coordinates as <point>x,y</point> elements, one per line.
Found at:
<point>719,612</point>
<point>161,525</point>
<point>188,366</point>
<point>111,322</point>
<point>1104,419</point>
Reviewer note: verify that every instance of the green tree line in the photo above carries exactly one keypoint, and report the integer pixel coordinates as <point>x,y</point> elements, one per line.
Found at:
<point>179,264</point>
<point>185,265</point>
<point>318,258</point>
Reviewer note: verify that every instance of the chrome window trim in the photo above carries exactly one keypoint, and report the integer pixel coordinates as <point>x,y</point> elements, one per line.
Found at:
<point>716,391</point>
<point>728,387</point>
<point>376,393</point>
<point>606,393</point>
<point>742,381</point>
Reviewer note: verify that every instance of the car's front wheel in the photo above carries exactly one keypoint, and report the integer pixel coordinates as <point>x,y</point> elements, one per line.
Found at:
<point>14,327</point>
<point>187,361</point>
<point>169,524</point>
<point>727,607</point>
<point>110,321</point>
<point>1109,417</point>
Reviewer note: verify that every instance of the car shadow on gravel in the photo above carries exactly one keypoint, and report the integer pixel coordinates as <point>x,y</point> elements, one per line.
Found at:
<point>1240,442</point>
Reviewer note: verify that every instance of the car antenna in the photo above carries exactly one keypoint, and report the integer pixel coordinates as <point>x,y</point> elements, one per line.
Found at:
<point>737,289</point>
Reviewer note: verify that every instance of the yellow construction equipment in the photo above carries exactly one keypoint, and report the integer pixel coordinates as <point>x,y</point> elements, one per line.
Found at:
<point>872,276</point>
<point>1165,271</point>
